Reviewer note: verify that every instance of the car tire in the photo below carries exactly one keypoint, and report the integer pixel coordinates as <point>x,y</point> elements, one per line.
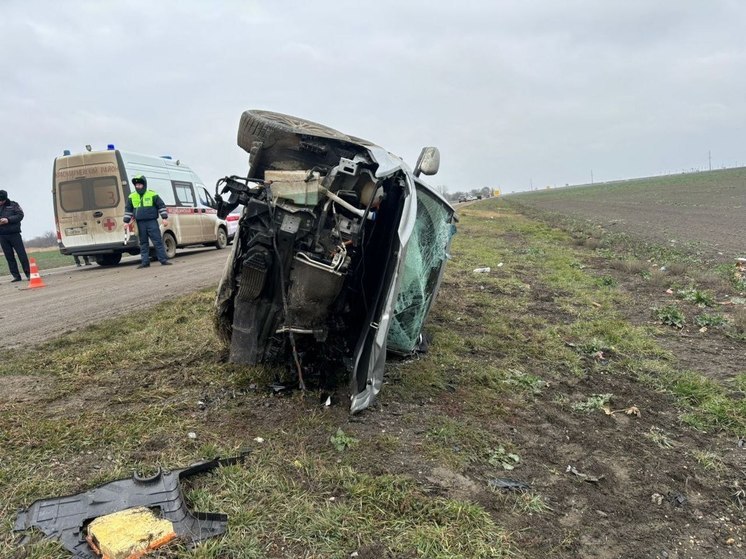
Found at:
<point>108,259</point>
<point>222,240</point>
<point>267,127</point>
<point>169,243</point>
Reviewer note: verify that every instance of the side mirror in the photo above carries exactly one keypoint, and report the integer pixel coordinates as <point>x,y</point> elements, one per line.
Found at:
<point>428,162</point>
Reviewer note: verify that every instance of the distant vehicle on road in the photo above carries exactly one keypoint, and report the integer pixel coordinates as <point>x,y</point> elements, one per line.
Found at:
<point>231,221</point>
<point>90,190</point>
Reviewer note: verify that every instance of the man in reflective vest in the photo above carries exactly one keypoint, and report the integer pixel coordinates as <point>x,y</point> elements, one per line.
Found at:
<point>145,206</point>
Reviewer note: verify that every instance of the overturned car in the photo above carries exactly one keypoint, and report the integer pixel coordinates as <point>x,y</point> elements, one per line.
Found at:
<point>338,256</point>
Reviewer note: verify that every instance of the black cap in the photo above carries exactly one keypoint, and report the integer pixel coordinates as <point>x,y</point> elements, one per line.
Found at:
<point>3,196</point>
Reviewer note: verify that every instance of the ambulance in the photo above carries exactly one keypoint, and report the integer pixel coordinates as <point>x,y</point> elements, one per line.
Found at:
<point>90,190</point>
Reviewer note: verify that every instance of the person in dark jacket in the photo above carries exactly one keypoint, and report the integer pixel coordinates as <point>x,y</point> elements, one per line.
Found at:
<point>11,215</point>
<point>145,206</point>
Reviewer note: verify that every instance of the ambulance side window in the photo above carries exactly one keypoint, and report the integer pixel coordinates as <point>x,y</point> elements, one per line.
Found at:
<point>204,197</point>
<point>184,193</point>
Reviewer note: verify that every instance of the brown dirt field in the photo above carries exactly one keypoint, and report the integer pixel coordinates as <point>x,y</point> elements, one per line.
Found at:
<point>651,501</point>
<point>705,211</point>
<point>623,515</point>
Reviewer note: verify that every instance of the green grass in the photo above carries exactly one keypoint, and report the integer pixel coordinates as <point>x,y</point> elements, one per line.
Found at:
<point>698,187</point>
<point>302,489</point>
<point>552,259</point>
<point>45,260</point>
<point>123,395</point>
<point>710,461</point>
<point>697,297</point>
<point>594,402</point>
<point>670,315</point>
<point>710,320</point>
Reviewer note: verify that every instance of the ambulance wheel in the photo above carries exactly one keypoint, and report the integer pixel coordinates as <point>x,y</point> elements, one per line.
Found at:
<point>108,259</point>
<point>222,240</point>
<point>169,241</point>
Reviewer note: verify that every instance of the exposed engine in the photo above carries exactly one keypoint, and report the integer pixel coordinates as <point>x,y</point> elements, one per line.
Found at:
<point>311,251</point>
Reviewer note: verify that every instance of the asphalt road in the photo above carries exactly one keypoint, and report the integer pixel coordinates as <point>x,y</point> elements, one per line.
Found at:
<point>75,297</point>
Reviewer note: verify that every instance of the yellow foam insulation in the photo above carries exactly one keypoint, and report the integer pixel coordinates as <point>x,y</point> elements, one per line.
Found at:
<point>129,534</point>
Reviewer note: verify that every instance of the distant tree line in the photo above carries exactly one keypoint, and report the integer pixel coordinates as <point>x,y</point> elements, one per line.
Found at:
<point>48,239</point>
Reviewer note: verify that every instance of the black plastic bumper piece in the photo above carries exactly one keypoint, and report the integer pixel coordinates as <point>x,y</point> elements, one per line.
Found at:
<point>65,518</point>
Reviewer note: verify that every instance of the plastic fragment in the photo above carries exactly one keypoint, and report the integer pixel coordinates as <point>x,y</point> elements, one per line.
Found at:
<point>508,484</point>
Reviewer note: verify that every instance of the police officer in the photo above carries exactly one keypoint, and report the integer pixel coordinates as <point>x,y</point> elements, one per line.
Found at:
<point>145,206</point>
<point>11,215</point>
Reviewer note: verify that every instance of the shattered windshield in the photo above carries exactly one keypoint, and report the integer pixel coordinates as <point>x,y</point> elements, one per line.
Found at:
<point>426,253</point>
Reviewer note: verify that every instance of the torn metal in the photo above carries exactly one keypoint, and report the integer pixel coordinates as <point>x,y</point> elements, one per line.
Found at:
<point>65,518</point>
<point>338,257</point>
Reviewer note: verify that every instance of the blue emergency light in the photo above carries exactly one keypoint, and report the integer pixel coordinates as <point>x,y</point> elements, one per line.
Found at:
<point>110,147</point>
<point>66,152</point>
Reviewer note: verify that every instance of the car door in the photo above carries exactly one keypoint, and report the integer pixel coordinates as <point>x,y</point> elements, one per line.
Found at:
<point>424,261</point>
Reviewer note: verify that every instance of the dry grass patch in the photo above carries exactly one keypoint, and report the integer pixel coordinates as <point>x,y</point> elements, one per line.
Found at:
<point>739,321</point>
<point>630,266</point>
<point>677,268</point>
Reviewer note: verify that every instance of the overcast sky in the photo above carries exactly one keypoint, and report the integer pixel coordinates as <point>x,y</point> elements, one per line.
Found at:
<point>514,93</point>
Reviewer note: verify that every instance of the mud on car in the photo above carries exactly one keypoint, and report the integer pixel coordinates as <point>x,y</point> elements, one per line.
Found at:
<point>338,256</point>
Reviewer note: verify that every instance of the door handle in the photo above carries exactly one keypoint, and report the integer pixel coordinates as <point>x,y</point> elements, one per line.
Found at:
<point>98,214</point>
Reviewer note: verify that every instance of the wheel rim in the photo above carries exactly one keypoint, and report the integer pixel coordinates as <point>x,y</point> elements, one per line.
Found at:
<point>170,243</point>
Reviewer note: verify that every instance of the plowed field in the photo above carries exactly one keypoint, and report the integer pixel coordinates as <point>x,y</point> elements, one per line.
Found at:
<point>703,211</point>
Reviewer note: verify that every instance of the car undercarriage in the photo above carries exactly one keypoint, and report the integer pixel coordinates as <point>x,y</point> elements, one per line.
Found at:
<point>337,258</point>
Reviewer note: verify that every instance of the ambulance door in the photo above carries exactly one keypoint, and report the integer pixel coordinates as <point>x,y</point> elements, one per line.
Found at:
<point>73,219</point>
<point>209,215</point>
<point>90,204</point>
<point>108,209</point>
<point>187,222</point>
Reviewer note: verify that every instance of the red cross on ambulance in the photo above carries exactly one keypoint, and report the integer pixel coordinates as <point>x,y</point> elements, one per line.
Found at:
<point>109,224</point>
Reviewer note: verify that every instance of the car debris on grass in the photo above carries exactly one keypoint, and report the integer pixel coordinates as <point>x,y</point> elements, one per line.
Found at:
<point>121,507</point>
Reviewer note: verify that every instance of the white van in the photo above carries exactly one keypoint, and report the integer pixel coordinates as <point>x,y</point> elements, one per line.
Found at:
<point>90,191</point>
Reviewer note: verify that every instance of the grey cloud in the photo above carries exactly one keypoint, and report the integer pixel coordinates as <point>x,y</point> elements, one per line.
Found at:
<point>513,92</point>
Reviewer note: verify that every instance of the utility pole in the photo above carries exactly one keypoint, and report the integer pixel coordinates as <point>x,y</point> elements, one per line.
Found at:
<point>591,176</point>
<point>709,158</point>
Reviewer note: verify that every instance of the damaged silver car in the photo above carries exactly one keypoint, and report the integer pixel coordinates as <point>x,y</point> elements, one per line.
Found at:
<point>338,257</point>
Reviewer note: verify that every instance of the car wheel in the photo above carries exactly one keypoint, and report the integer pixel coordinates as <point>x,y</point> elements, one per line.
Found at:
<point>108,259</point>
<point>222,240</point>
<point>169,241</point>
<point>268,127</point>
